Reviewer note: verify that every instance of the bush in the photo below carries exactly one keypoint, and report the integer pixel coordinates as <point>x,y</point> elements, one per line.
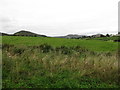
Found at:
<point>64,50</point>
<point>18,50</point>
<point>45,48</point>
<point>6,46</point>
<point>108,54</point>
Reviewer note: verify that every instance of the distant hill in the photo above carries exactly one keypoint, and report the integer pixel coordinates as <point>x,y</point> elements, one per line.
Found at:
<point>98,35</point>
<point>23,33</point>
<point>69,36</point>
<point>4,34</point>
<point>27,33</point>
<point>72,36</point>
<point>75,36</point>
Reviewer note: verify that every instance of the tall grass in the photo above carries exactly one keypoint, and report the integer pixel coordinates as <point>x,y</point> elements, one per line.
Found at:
<point>44,66</point>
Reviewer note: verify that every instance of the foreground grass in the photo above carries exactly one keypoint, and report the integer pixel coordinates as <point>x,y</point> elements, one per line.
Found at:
<point>45,66</point>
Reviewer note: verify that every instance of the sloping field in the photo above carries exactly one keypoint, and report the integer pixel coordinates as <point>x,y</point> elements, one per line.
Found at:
<point>94,45</point>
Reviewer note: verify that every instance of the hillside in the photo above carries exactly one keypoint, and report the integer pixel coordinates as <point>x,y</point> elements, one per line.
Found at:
<point>72,36</point>
<point>27,33</point>
<point>4,34</point>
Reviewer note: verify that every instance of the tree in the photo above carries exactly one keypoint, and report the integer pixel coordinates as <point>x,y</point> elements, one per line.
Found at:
<point>107,35</point>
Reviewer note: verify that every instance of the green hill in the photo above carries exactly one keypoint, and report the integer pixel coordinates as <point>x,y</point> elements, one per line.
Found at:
<point>27,33</point>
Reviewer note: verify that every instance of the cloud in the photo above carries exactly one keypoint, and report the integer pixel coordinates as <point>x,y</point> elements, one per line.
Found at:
<point>53,17</point>
<point>7,24</point>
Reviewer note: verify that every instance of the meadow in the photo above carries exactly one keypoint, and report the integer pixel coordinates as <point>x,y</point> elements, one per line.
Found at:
<point>94,45</point>
<point>42,62</point>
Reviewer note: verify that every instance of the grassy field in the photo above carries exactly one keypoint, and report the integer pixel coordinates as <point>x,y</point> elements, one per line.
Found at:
<point>107,38</point>
<point>37,62</point>
<point>95,45</point>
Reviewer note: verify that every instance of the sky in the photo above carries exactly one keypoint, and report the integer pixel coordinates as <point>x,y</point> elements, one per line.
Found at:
<point>59,17</point>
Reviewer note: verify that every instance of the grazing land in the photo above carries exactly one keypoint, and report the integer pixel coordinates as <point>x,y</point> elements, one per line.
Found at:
<point>91,44</point>
<point>44,62</point>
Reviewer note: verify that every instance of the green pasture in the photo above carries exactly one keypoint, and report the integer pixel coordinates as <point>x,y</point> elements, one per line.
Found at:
<point>91,44</point>
<point>42,62</point>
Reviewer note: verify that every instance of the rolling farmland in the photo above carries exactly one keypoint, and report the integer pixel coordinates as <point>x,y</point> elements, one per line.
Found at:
<point>44,62</point>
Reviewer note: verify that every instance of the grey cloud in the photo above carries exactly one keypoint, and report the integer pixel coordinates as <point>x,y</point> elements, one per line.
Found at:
<point>5,20</point>
<point>7,25</point>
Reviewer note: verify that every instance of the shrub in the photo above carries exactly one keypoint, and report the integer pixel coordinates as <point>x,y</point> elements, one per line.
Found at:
<point>6,46</point>
<point>18,50</point>
<point>45,48</point>
<point>93,53</point>
<point>64,50</point>
<point>108,54</point>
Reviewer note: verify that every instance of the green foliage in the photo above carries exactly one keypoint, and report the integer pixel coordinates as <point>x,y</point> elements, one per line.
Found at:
<point>6,46</point>
<point>64,50</point>
<point>107,38</point>
<point>45,48</point>
<point>18,50</point>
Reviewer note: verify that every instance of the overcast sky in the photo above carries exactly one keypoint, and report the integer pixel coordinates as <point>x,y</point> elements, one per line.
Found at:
<point>59,17</point>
